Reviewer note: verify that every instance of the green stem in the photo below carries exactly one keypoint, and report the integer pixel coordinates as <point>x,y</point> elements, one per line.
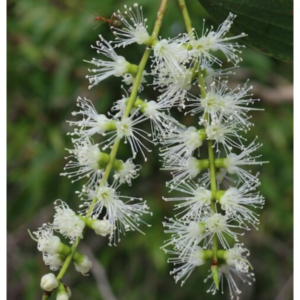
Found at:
<point>213,184</point>
<point>136,83</point>
<point>160,14</point>
<point>202,85</point>
<point>213,188</point>
<point>45,296</point>
<point>212,171</point>
<point>186,16</point>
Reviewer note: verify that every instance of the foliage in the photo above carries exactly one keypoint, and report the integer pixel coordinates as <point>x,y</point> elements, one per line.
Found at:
<point>268,23</point>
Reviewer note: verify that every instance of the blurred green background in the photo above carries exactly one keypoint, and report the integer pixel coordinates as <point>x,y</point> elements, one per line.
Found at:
<point>47,42</point>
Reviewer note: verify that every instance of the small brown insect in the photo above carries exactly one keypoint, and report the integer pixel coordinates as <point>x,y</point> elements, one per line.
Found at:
<point>113,21</point>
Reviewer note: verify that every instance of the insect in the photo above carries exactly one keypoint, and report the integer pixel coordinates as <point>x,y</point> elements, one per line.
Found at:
<point>113,21</point>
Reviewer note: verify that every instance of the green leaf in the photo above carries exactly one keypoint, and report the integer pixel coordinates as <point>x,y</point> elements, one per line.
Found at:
<point>268,23</point>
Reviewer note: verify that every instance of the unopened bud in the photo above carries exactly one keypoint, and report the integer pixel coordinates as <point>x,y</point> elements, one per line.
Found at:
<point>49,282</point>
<point>82,263</point>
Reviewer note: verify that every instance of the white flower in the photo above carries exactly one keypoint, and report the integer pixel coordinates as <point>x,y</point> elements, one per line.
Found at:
<point>195,202</point>
<point>49,282</point>
<point>172,85</point>
<point>235,104</point>
<point>237,203</point>
<point>236,257</point>
<point>47,242</point>
<point>181,169</point>
<point>91,122</point>
<point>135,30</point>
<point>102,227</point>
<point>188,263</point>
<point>123,216</point>
<point>224,132</point>
<point>182,142</point>
<point>127,172</point>
<point>234,162</point>
<point>115,66</point>
<point>186,235</point>
<point>84,265</point>
<point>129,79</point>
<point>66,222</point>
<point>210,75</point>
<point>112,129</point>
<point>214,41</point>
<point>161,121</point>
<point>228,272</point>
<point>84,162</point>
<point>125,128</point>
<point>220,225</point>
<point>171,53</point>
<point>54,261</point>
<point>119,107</point>
<point>211,104</point>
<point>220,101</point>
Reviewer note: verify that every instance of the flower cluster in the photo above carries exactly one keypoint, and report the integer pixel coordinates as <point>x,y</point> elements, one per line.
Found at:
<point>217,198</point>
<point>212,210</point>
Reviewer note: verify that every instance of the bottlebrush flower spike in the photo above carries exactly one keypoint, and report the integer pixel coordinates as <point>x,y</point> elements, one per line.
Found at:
<point>216,207</point>
<point>96,140</point>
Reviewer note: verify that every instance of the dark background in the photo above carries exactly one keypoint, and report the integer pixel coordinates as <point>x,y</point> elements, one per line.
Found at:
<point>47,42</point>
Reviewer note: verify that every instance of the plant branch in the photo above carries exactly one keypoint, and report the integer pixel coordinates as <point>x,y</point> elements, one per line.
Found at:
<point>186,16</point>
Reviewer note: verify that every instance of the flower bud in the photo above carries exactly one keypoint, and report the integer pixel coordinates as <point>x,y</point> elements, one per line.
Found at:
<point>49,282</point>
<point>215,275</point>
<point>63,293</point>
<point>82,263</point>
<point>101,227</point>
<point>67,222</point>
<point>62,296</point>
<point>51,245</point>
<point>68,291</point>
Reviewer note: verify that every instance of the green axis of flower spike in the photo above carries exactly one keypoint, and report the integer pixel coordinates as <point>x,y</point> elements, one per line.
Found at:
<point>158,23</point>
